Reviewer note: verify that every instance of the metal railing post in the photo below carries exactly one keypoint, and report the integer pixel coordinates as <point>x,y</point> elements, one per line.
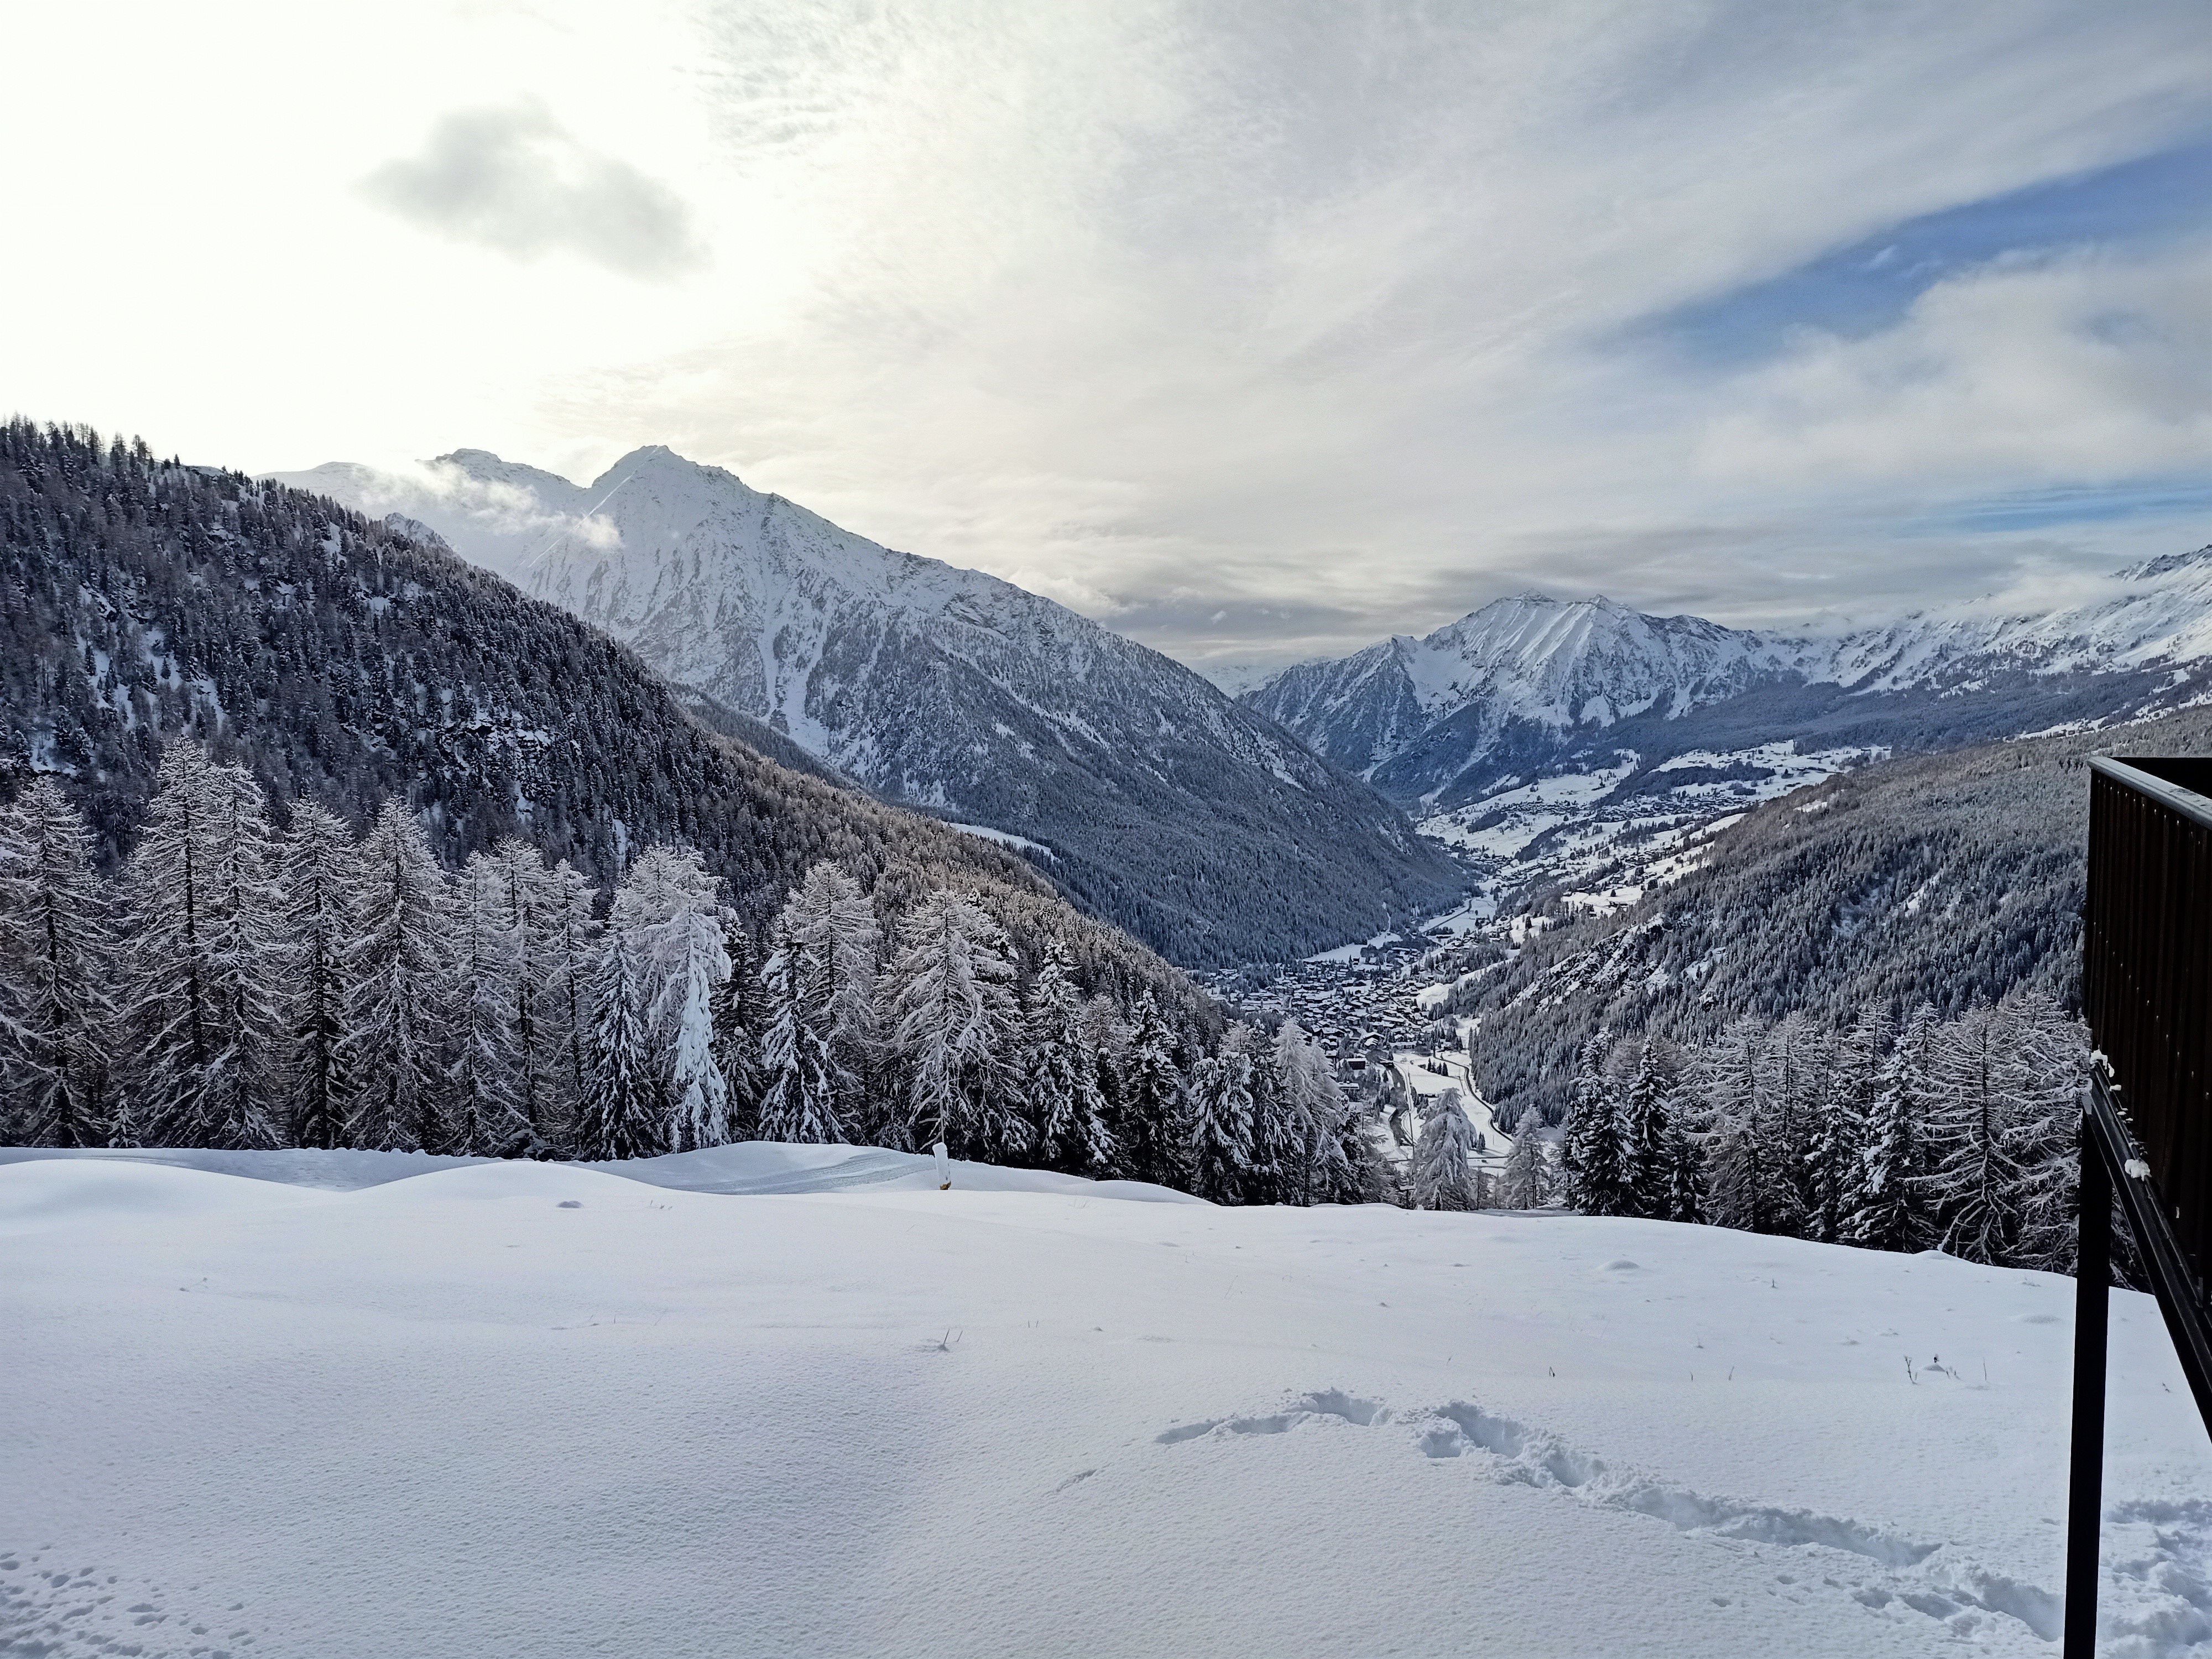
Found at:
<point>2085,1496</point>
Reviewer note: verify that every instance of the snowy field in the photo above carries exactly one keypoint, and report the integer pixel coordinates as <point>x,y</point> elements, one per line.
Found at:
<point>523,1410</point>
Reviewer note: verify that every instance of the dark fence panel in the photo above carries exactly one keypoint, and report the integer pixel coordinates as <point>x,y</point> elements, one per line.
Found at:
<point>2146,974</point>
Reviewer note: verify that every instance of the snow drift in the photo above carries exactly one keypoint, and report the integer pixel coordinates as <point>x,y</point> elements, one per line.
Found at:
<point>543,1409</point>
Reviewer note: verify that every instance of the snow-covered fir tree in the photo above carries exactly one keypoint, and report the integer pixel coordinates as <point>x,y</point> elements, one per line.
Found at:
<point>1647,1133</point>
<point>56,1010</point>
<point>532,901</point>
<point>1365,1176</point>
<point>669,910</point>
<point>1748,1183</point>
<point>798,1075</point>
<point>572,941</point>
<point>833,924</point>
<point>483,1115</point>
<point>621,1113</point>
<point>1154,1109</point>
<point>1060,1075</point>
<point>1525,1182</point>
<point>1219,1152</point>
<point>1314,1104</point>
<point>1892,1210</point>
<point>203,954</point>
<point>1976,1181</point>
<point>1843,1094</point>
<point>1595,1149</point>
<point>955,1029</point>
<point>1686,1173</point>
<point>1792,1061</point>
<point>741,1019</point>
<point>321,881</point>
<point>1441,1177</point>
<point>2046,1068</point>
<point>1270,1175</point>
<point>399,974</point>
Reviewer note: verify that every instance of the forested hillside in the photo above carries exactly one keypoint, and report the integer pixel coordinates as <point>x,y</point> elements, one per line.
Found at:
<point>314,835</point>
<point>1149,797</point>
<point>343,662</point>
<point>1949,879</point>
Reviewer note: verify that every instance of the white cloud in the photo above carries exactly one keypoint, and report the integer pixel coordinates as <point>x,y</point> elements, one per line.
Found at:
<point>512,179</point>
<point>1305,316</point>
<point>2086,367</point>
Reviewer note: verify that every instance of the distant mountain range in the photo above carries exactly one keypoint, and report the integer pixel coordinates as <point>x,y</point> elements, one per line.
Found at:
<point>1137,787</point>
<point>1436,721</point>
<point>1583,747</point>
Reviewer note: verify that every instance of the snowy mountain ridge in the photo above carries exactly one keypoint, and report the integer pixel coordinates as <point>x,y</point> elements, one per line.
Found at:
<point>1156,795</point>
<point>1593,661</point>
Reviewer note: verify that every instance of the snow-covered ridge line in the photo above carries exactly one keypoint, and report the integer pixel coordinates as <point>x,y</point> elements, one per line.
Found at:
<point>947,689</point>
<point>1592,663</point>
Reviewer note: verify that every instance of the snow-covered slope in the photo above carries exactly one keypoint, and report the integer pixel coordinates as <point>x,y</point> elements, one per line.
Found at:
<point>2154,615</point>
<point>534,1409</point>
<point>1157,796</point>
<point>1455,694</point>
<point>1524,681</point>
<point>1559,744</point>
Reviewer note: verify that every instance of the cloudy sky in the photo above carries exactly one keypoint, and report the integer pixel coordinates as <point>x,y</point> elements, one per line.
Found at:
<point>1257,330</point>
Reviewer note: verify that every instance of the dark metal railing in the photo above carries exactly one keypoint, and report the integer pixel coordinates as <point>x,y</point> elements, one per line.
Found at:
<point>2146,1117</point>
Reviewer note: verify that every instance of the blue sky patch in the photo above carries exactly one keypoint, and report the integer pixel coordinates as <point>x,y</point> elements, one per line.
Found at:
<point>1863,288</point>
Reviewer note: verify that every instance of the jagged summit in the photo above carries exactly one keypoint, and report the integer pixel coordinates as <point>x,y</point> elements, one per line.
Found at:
<point>2167,565</point>
<point>1530,681</point>
<point>1200,826</point>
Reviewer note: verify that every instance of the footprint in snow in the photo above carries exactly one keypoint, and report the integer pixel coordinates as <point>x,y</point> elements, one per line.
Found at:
<point>1900,1575</point>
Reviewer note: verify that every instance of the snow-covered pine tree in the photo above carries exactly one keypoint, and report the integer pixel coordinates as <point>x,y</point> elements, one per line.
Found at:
<point>56,1010</point>
<point>699,966</point>
<point>248,953</point>
<point>1647,1133</point>
<point>531,899</point>
<point>1525,1182</point>
<point>1271,1177</point>
<point>483,1115</point>
<point>833,924</point>
<point>1792,1063</point>
<point>1595,1149</point>
<point>1976,1181</point>
<point>669,910</point>
<point>321,879</point>
<point>399,976</point>
<point>955,1029</point>
<point>1442,1179</point>
<point>799,1082</point>
<point>1219,1151</point>
<point>1685,1170</point>
<point>1748,1183</point>
<point>573,935</point>
<point>1060,1075</point>
<point>2045,1068</point>
<point>1892,1212</point>
<point>1106,1040</point>
<point>1313,1104</point>
<point>1360,1172</point>
<point>741,1019</point>
<point>621,1114</point>
<point>1834,1155</point>
<point>202,921</point>
<point>1153,1128</point>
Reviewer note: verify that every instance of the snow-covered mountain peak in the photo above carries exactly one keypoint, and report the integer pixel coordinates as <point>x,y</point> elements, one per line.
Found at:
<point>1569,662</point>
<point>2199,561</point>
<point>942,687</point>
